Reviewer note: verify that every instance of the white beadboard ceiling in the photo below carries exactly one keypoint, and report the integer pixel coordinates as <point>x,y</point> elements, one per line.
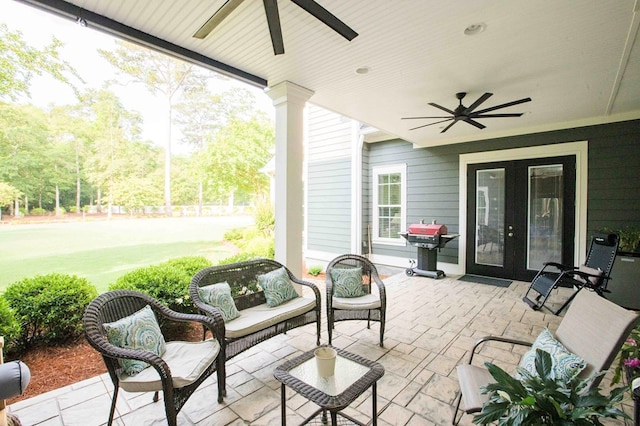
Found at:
<point>579,60</point>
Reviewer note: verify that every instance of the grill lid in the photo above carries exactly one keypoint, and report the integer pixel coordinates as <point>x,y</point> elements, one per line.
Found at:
<point>432,229</point>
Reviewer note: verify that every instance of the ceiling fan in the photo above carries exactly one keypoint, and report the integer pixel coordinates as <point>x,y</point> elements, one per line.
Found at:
<point>468,114</point>
<point>273,20</point>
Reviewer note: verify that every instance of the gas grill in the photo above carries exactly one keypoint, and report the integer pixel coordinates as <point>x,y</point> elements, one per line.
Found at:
<point>428,238</point>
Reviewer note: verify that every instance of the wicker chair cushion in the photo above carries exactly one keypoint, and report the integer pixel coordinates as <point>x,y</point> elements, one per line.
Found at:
<point>564,364</point>
<point>260,317</point>
<point>186,360</point>
<point>277,287</point>
<point>137,331</point>
<point>368,301</point>
<point>347,282</point>
<point>219,296</point>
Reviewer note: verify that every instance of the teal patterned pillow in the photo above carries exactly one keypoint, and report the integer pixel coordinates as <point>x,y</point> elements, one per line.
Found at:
<point>564,364</point>
<point>347,282</point>
<point>137,331</point>
<point>219,296</point>
<point>277,287</point>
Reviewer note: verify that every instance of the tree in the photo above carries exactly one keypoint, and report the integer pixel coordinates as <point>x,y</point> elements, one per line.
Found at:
<point>19,62</point>
<point>7,195</point>
<point>201,114</point>
<point>161,74</point>
<point>233,160</point>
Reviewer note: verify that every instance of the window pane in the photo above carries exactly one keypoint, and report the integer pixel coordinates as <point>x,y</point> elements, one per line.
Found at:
<point>383,192</point>
<point>395,195</point>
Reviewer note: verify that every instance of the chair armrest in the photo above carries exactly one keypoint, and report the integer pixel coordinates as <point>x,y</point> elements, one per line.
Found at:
<point>497,339</point>
<point>559,266</point>
<point>312,286</point>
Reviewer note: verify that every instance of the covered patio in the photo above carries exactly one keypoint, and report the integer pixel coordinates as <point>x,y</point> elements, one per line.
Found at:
<point>431,326</point>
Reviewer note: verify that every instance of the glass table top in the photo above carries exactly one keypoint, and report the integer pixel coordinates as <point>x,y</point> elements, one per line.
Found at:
<point>347,372</point>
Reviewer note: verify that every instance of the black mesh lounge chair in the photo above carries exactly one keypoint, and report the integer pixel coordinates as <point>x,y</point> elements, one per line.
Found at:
<point>370,306</point>
<point>594,274</point>
<point>177,373</point>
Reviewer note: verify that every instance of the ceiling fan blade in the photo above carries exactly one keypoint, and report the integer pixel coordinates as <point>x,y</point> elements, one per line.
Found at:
<point>419,118</point>
<point>449,126</point>
<point>442,108</point>
<point>327,18</point>
<point>431,124</point>
<point>273,19</point>
<point>476,115</point>
<point>474,123</point>
<point>477,103</point>
<point>217,18</point>
<point>508,104</point>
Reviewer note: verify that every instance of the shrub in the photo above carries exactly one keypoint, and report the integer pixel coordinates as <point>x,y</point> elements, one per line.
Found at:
<point>233,234</point>
<point>50,307</point>
<point>265,218</point>
<point>165,282</point>
<point>314,270</point>
<point>9,326</point>
<point>38,212</point>
<point>191,265</point>
<point>240,257</point>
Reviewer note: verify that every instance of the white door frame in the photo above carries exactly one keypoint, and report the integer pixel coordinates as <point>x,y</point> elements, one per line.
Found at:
<point>579,149</point>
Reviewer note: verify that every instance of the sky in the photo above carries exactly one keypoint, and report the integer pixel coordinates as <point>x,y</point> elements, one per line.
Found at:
<point>80,46</point>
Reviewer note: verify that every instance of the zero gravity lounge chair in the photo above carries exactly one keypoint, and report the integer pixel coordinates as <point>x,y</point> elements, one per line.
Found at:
<point>593,275</point>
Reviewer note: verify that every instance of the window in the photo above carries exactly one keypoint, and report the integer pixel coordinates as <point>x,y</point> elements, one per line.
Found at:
<point>389,198</point>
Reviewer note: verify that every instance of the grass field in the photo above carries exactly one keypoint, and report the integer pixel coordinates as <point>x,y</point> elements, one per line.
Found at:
<point>101,251</point>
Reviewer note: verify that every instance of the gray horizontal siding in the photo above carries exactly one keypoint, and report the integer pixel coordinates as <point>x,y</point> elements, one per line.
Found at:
<point>328,181</point>
<point>433,178</point>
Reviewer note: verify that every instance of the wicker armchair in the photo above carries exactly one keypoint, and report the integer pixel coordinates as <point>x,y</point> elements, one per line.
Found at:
<point>371,307</point>
<point>177,387</point>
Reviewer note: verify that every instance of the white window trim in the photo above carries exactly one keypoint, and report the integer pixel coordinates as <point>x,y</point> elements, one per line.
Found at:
<point>381,170</point>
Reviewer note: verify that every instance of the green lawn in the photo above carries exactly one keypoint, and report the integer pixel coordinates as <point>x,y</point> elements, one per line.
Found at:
<point>101,251</point>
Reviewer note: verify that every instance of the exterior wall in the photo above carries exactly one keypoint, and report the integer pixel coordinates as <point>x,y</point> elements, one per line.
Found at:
<point>433,178</point>
<point>328,178</point>
<point>433,181</point>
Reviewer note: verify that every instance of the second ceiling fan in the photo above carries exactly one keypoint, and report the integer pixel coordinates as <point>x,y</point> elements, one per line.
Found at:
<point>273,20</point>
<point>468,114</point>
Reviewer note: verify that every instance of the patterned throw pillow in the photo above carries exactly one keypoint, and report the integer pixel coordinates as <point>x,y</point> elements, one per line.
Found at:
<point>564,364</point>
<point>137,331</point>
<point>277,287</point>
<point>347,282</point>
<point>219,296</point>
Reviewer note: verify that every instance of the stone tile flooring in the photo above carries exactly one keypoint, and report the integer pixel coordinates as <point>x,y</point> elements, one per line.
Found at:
<point>431,326</point>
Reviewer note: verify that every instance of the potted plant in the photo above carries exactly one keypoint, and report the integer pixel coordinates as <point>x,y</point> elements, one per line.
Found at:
<point>539,399</point>
<point>629,358</point>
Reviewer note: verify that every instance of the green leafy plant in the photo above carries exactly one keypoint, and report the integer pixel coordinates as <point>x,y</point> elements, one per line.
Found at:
<point>9,326</point>
<point>629,357</point>
<point>314,270</point>
<point>538,399</point>
<point>50,307</point>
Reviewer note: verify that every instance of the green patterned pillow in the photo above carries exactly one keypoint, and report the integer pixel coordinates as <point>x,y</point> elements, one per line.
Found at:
<point>219,296</point>
<point>564,364</point>
<point>277,287</point>
<point>347,282</point>
<point>137,331</point>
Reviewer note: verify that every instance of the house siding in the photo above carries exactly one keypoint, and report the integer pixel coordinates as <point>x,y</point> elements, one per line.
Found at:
<point>328,181</point>
<point>433,178</point>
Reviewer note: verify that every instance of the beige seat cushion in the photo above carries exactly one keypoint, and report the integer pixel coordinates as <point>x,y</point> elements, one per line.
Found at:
<point>368,301</point>
<point>472,378</point>
<point>260,317</point>
<point>186,360</point>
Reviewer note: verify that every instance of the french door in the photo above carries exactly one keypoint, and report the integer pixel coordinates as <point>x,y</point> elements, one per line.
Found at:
<point>520,215</point>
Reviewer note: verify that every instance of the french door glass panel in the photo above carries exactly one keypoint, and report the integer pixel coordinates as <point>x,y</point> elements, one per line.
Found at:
<point>545,206</point>
<point>490,216</point>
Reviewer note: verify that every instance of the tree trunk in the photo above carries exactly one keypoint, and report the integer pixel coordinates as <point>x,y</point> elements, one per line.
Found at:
<point>58,201</point>
<point>167,165</point>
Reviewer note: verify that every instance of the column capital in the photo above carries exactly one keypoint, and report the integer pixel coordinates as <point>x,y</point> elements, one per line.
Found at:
<point>288,92</point>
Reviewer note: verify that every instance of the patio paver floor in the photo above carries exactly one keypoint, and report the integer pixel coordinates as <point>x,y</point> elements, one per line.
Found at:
<point>431,326</point>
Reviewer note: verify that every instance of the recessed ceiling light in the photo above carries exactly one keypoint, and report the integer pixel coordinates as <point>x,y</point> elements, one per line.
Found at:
<point>362,70</point>
<point>474,29</point>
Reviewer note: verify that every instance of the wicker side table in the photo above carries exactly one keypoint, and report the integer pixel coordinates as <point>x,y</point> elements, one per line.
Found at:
<point>353,375</point>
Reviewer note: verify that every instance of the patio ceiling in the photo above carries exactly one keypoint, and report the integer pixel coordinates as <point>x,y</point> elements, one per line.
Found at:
<point>579,60</point>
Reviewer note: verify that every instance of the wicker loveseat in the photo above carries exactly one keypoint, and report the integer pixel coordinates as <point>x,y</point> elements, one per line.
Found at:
<point>257,322</point>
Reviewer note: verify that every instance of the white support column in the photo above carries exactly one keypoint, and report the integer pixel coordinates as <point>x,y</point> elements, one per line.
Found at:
<point>289,100</point>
